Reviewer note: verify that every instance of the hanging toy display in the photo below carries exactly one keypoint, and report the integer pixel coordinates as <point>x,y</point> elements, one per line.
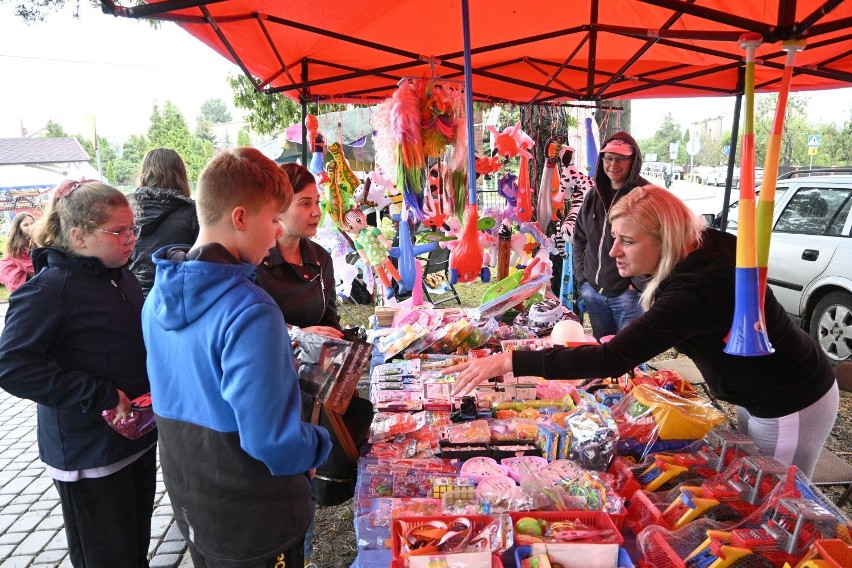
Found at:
<point>507,144</point>
<point>372,195</point>
<point>576,185</point>
<point>437,203</point>
<point>525,197</point>
<point>410,155</point>
<point>337,201</point>
<point>372,246</point>
<point>343,174</point>
<point>392,194</point>
<point>317,144</point>
<point>406,254</point>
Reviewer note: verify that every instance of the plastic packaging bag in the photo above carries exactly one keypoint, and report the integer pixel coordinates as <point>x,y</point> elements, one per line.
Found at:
<point>329,369</point>
<point>140,422</point>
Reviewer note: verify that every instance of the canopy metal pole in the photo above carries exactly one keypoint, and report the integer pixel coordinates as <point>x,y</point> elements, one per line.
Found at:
<point>468,105</point>
<point>304,98</point>
<point>735,133</point>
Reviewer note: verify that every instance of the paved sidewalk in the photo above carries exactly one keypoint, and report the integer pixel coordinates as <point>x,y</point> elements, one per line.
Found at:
<point>31,526</point>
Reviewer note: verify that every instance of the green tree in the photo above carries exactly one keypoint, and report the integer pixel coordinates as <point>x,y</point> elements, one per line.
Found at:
<point>204,130</point>
<point>135,148</point>
<point>215,111</point>
<point>668,133</point>
<point>269,114</point>
<point>168,129</point>
<point>243,138</point>
<point>124,172</point>
<point>54,130</point>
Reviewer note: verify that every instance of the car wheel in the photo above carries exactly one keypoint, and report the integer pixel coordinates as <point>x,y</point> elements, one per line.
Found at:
<point>831,325</point>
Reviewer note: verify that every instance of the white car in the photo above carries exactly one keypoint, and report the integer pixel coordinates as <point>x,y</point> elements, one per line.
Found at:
<point>720,175</point>
<point>810,254</point>
<point>701,173</point>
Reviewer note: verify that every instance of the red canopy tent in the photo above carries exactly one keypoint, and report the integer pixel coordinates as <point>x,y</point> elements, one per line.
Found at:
<point>538,52</point>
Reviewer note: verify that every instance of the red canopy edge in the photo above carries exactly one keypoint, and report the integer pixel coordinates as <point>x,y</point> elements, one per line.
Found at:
<point>523,53</point>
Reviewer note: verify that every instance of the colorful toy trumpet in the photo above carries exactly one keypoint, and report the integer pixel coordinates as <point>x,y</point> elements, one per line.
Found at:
<point>748,335</point>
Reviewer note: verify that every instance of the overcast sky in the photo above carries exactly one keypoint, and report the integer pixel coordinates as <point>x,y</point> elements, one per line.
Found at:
<point>118,68</point>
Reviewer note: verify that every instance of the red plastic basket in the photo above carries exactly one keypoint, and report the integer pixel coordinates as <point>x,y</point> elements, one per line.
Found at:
<point>597,519</point>
<point>402,525</point>
<point>835,552</point>
<point>400,562</point>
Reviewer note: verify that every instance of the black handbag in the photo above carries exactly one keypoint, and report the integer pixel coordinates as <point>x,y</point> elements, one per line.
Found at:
<point>334,482</point>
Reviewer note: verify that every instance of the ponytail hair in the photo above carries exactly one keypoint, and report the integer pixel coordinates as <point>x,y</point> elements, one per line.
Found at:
<point>667,220</point>
<point>83,204</point>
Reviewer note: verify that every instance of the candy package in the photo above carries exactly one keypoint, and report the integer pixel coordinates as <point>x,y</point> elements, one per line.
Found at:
<point>140,422</point>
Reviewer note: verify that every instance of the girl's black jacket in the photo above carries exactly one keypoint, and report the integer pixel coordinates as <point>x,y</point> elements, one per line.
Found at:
<point>73,336</point>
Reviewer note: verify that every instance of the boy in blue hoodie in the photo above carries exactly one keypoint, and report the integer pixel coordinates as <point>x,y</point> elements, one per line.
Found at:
<point>233,447</point>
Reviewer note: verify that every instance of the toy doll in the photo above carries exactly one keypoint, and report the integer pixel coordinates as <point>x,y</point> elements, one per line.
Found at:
<point>372,246</point>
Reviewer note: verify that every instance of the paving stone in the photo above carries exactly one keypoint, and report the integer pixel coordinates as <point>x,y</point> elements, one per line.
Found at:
<point>171,547</point>
<point>6,499</point>
<point>39,486</point>
<point>51,522</point>
<point>59,542</point>
<point>66,563</point>
<point>15,538</point>
<point>12,509</point>
<point>17,562</point>
<point>16,485</point>
<point>159,525</point>
<point>165,561</point>
<point>6,522</point>
<point>27,521</point>
<point>35,543</point>
<point>43,505</point>
<point>50,557</point>
<point>6,550</point>
<point>27,500</point>
<point>173,533</point>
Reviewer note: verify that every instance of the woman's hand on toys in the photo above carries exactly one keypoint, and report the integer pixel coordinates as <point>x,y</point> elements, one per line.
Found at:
<point>122,411</point>
<point>473,372</point>
<point>324,330</point>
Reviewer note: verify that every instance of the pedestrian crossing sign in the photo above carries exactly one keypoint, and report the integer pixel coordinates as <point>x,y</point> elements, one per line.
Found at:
<point>814,140</point>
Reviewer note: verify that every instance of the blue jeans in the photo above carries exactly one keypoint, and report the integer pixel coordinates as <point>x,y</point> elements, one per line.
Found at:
<point>609,315</point>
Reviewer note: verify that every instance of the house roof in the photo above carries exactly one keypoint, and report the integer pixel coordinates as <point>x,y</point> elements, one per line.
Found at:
<point>16,151</point>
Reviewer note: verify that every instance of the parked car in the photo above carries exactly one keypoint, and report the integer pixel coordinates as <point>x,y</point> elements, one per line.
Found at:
<point>720,175</point>
<point>677,172</point>
<point>701,173</point>
<point>758,178</point>
<point>810,257</point>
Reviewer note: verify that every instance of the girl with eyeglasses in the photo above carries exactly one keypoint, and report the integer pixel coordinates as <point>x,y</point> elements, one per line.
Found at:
<point>73,344</point>
<point>17,266</point>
